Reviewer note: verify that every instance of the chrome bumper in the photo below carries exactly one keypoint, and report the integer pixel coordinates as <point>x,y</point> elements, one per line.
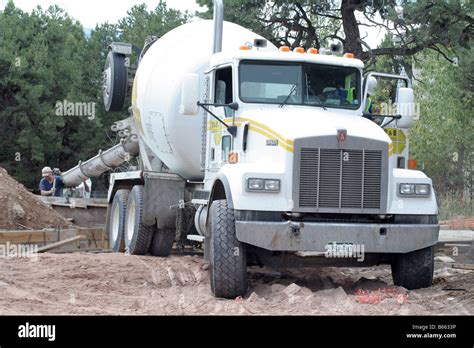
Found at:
<point>376,238</point>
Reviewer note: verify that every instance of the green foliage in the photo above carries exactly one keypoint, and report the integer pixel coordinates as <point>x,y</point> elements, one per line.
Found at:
<point>455,205</point>
<point>141,23</point>
<point>40,63</point>
<point>442,141</point>
<point>45,58</point>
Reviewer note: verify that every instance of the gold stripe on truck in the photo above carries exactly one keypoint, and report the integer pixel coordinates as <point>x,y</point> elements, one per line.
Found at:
<point>264,130</point>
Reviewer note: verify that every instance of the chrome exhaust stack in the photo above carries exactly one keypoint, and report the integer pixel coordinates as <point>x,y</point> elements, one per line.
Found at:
<point>218,25</point>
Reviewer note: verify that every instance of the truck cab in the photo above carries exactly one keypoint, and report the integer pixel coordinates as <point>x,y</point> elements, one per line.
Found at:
<point>297,165</point>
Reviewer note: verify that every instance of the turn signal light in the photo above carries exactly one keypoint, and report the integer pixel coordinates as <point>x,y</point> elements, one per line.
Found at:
<point>284,49</point>
<point>233,157</point>
<point>299,50</point>
<point>245,48</point>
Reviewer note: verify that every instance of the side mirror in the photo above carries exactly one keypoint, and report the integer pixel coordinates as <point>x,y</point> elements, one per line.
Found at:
<point>233,106</point>
<point>406,107</point>
<point>190,95</point>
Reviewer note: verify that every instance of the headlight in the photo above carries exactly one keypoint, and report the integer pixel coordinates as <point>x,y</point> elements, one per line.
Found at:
<point>414,189</point>
<point>265,185</point>
<point>272,185</point>
<point>422,189</point>
<point>407,189</point>
<point>255,184</point>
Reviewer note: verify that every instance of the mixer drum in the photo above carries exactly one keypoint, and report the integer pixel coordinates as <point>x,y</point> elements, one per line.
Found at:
<point>156,96</point>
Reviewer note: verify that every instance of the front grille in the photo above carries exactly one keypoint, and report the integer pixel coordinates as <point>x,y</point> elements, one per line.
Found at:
<point>333,178</point>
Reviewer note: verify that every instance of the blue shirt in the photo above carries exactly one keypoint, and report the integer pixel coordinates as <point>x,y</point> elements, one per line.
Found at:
<point>338,93</point>
<point>45,185</point>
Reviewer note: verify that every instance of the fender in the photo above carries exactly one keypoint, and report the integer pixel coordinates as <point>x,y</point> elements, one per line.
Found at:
<point>124,180</point>
<point>220,190</point>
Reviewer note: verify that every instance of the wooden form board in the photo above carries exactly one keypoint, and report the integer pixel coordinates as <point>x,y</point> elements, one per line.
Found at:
<point>96,236</point>
<point>61,243</point>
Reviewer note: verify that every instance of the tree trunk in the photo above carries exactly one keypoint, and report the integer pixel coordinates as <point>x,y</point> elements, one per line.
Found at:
<point>351,28</point>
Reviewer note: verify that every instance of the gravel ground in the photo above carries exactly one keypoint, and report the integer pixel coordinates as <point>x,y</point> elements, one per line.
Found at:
<point>118,284</point>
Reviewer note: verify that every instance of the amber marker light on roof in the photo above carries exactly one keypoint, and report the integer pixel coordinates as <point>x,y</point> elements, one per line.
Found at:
<point>284,49</point>
<point>412,164</point>
<point>299,50</point>
<point>348,55</point>
<point>313,50</point>
<point>245,48</point>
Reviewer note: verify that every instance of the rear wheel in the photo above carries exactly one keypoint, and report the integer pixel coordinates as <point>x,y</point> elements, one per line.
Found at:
<point>116,220</point>
<point>137,235</point>
<point>228,259</point>
<point>162,242</point>
<point>414,270</point>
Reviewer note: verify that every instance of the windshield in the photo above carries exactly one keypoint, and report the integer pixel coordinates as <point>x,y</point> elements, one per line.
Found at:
<point>299,84</point>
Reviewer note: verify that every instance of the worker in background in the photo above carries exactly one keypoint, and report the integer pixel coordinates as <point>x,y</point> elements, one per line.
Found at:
<point>349,88</point>
<point>342,91</point>
<point>85,188</point>
<point>50,184</point>
<point>371,88</point>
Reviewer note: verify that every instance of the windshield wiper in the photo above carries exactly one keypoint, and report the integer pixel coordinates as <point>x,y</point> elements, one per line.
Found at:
<point>310,89</point>
<point>293,89</point>
<point>319,103</point>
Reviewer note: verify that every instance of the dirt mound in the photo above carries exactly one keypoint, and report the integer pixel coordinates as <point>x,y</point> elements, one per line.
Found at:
<point>21,209</point>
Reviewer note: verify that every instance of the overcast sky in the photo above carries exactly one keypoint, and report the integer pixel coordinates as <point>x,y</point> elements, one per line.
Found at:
<point>92,12</point>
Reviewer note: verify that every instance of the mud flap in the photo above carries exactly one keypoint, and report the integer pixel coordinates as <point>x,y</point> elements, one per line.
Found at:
<point>162,194</point>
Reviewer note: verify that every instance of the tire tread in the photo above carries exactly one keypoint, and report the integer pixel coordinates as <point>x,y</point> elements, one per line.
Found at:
<point>414,270</point>
<point>228,270</point>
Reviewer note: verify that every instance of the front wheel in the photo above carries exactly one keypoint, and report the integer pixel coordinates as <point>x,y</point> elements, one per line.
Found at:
<point>414,270</point>
<point>228,259</point>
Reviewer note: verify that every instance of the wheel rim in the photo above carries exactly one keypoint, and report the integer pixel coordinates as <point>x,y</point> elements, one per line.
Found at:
<point>131,221</point>
<point>107,81</point>
<point>115,223</point>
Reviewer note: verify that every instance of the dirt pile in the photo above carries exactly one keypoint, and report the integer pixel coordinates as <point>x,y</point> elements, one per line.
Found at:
<point>20,209</point>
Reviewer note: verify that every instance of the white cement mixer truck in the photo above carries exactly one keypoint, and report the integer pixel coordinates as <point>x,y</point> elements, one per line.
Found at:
<point>266,155</point>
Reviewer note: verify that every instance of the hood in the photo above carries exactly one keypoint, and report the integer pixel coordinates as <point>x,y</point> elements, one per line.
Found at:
<point>293,122</point>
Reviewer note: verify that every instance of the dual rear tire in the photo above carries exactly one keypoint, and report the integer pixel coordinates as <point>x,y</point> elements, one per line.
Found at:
<point>126,229</point>
<point>137,235</point>
<point>116,220</point>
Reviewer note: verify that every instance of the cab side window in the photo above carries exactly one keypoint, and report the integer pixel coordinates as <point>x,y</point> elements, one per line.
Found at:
<point>223,87</point>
